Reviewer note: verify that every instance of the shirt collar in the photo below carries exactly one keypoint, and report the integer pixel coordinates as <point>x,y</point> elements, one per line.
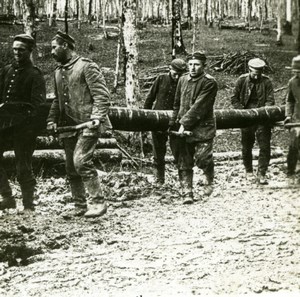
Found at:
<point>22,66</point>
<point>70,64</point>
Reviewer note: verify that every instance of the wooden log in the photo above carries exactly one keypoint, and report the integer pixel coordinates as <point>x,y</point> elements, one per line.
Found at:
<point>53,157</point>
<point>50,142</point>
<point>126,119</point>
<point>153,120</point>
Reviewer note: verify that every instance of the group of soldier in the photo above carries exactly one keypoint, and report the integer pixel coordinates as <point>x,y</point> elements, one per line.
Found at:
<point>81,95</point>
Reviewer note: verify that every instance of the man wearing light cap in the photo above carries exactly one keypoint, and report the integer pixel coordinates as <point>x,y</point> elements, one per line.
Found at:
<point>21,82</point>
<point>193,111</point>
<point>161,97</point>
<point>292,113</point>
<point>81,96</point>
<point>254,90</point>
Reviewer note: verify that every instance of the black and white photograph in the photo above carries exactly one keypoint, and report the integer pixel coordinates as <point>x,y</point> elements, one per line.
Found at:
<point>149,148</point>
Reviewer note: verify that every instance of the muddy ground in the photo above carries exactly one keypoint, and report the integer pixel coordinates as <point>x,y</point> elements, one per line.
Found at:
<point>243,239</point>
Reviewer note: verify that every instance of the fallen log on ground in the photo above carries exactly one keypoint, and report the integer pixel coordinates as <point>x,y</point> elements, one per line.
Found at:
<point>50,142</point>
<point>56,157</point>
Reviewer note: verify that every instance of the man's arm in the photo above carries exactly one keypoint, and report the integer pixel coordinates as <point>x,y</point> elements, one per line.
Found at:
<point>54,109</point>
<point>290,103</point>
<point>235,98</point>
<point>151,97</point>
<point>38,90</point>
<point>99,91</point>
<point>269,94</point>
<point>176,105</point>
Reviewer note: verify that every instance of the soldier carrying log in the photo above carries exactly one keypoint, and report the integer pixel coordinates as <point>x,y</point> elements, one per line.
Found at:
<point>254,90</point>
<point>22,86</point>
<point>292,113</point>
<point>81,96</point>
<point>194,112</point>
<point>161,97</point>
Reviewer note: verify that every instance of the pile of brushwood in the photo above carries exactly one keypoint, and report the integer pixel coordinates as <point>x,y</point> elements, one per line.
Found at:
<point>237,63</point>
<point>150,75</point>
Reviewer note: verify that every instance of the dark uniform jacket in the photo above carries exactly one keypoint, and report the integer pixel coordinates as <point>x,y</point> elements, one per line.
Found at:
<point>292,108</point>
<point>22,84</point>
<point>194,106</point>
<point>243,88</point>
<point>162,93</point>
<point>81,94</point>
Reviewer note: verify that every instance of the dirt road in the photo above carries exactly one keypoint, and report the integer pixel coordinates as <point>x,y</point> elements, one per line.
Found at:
<point>242,239</point>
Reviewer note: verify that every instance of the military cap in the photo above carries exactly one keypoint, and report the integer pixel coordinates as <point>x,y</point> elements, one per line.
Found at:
<point>197,56</point>
<point>25,38</point>
<point>256,63</point>
<point>178,65</point>
<point>296,64</point>
<point>66,38</point>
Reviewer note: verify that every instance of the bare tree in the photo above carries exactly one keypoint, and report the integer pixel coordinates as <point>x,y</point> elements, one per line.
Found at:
<point>66,17</point>
<point>29,18</point>
<point>132,89</point>
<point>280,20</point>
<point>177,40</point>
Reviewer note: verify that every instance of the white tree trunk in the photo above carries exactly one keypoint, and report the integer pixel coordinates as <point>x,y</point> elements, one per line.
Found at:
<point>132,89</point>
<point>280,21</point>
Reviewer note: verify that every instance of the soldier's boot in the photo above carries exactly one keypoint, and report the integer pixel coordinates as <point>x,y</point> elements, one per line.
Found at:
<point>28,197</point>
<point>79,198</point>
<point>160,174</point>
<point>261,178</point>
<point>209,175</point>
<point>8,201</point>
<point>187,186</point>
<point>96,205</point>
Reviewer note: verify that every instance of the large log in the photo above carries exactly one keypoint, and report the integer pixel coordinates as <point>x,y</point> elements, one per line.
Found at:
<point>127,119</point>
<point>154,120</point>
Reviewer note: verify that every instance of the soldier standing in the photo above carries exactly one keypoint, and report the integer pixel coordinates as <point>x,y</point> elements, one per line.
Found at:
<point>161,97</point>
<point>81,95</point>
<point>292,113</point>
<point>21,82</point>
<point>254,90</point>
<point>194,112</point>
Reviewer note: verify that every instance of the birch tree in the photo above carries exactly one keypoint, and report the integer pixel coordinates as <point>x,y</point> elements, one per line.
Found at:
<point>29,18</point>
<point>280,20</point>
<point>132,89</point>
<point>177,40</point>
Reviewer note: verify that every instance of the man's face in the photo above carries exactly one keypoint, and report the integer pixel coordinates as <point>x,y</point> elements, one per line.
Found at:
<point>196,67</point>
<point>174,73</point>
<point>255,74</point>
<point>21,52</point>
<point>59,51</point>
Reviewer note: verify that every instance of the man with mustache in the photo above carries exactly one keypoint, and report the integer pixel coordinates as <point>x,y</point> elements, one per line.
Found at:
<point>21,82</point>
<point>254,90</point>
<point>81,96</point>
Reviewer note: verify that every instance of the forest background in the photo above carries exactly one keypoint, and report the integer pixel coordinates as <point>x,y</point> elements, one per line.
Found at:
<point>243,239</point>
